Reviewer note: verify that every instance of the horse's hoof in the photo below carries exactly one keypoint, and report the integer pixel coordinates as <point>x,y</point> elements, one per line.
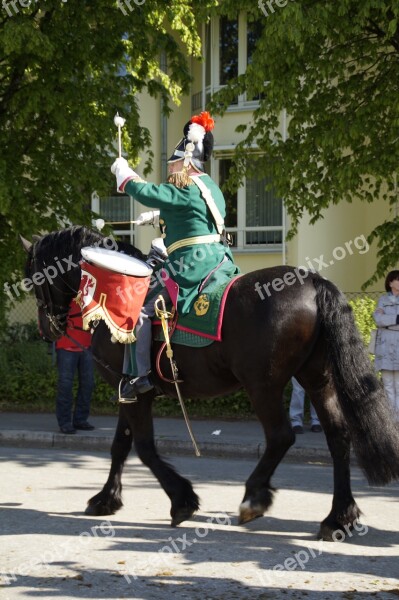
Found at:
<point>98,510</point>
<point>249,513</point>
<point>326,533</point>
<point>101,509</point>
<point>183,514</point>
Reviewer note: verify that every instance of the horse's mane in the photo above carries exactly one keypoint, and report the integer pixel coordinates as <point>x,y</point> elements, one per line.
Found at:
<point>67,241</point>
<point>70,241</point>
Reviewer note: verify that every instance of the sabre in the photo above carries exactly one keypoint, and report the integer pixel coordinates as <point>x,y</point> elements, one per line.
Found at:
<point>162,313</point>
<point>119,122</point>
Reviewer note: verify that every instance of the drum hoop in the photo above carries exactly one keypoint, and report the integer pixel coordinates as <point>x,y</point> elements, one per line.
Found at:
<point>93,254</point>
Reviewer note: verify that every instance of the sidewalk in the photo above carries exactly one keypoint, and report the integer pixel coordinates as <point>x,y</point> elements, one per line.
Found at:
<point>215,438</point>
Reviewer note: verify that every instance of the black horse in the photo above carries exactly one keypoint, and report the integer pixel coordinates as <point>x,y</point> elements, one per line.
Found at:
<point>278,323</point>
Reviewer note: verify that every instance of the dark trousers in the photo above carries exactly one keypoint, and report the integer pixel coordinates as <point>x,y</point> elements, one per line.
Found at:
<point>70,363</point>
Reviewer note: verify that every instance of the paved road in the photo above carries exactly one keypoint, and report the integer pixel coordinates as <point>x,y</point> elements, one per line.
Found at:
<point>55,551</point>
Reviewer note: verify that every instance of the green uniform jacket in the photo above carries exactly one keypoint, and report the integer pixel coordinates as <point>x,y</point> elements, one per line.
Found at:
<point>184,214</point>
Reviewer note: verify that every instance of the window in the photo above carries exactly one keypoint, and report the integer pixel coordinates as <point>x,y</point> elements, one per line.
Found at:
<point>254,215</point>
<point>228,47</point>
<point>117,211</point>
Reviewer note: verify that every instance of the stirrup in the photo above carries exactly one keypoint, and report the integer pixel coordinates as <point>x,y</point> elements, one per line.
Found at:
<point>122,400</point>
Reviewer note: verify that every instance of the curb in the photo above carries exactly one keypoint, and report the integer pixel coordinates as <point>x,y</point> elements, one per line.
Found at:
<point>44,439</point>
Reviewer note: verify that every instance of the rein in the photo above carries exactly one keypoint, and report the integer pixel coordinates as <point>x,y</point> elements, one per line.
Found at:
<point>59,321</point>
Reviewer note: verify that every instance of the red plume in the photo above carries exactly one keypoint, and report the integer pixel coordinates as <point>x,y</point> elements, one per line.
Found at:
<point>205,120</point>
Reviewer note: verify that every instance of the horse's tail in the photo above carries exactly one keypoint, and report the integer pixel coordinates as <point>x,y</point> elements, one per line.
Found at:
<point>360,394</point>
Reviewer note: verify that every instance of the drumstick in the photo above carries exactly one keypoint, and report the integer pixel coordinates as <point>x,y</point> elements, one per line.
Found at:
<point>121,222</point>
<point>119,122</point>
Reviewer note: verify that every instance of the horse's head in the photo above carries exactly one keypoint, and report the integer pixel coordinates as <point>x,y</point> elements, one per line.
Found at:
<point>53,268</point>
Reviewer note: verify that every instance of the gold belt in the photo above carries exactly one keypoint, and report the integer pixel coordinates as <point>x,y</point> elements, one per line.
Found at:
<point>198,239</point>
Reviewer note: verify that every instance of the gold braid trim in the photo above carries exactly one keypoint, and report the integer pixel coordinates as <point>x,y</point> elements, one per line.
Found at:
<point>124,337</point>
<point>180,180</point>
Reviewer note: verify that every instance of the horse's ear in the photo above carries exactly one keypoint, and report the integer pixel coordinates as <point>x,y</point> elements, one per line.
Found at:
<point>25,244</point>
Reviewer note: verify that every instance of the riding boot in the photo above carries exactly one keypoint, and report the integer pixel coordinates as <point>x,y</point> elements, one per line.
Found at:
<point>130,385</point>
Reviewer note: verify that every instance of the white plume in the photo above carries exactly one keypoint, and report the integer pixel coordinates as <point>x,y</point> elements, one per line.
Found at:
<point>196,133</point>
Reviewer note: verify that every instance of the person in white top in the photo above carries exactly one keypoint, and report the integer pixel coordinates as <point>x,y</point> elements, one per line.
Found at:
<point>386,317</point>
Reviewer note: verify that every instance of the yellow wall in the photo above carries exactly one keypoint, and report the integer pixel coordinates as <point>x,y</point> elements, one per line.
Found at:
<point>336,239</point>
<point>339,239</point>
<point>249,261</point>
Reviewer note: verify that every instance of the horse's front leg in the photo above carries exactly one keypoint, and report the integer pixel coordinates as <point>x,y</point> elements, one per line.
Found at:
<point>109,500</point>
<point>180,491</point>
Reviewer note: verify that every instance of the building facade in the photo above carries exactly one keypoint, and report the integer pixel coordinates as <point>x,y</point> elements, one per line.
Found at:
<point>335,246</point>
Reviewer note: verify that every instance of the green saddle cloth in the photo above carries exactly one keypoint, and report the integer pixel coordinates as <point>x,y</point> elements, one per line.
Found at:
<point>202,325</point>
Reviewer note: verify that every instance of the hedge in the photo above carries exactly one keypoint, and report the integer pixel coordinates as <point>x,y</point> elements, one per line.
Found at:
<point>28,376</point>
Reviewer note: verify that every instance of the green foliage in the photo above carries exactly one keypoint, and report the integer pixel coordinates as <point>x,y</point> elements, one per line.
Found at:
<point>334,68</point>
<point>233,405</point>
<point>28,382</point>
<point>363,309</point>
<point>27,376</point>
<point>66,68</point>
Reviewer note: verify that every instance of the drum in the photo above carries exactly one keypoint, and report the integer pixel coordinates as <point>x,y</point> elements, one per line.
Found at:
<point>113,288</point>
<point>116,261</point>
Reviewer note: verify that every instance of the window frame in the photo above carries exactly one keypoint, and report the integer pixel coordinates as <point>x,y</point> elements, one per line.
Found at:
<point>242,228</point>
<point>208,89</point>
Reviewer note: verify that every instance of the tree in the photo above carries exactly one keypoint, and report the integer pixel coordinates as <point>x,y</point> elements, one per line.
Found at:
<point>66,67</point>
<point>334,67</point>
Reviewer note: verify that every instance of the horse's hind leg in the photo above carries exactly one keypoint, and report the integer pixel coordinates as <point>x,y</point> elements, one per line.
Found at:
<point>269,407</point>
<point>344,511</point>
<point>109,500</point>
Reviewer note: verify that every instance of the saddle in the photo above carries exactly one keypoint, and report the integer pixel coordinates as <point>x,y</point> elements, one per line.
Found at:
<point>203,324</point>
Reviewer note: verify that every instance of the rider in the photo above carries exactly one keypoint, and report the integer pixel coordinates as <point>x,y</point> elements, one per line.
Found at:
<point>192,210</point>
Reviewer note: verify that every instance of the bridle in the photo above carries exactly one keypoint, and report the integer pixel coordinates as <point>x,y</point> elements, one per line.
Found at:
<point>56,314</point>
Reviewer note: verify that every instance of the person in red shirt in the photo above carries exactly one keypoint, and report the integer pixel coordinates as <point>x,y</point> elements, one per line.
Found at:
<point>74,358</point>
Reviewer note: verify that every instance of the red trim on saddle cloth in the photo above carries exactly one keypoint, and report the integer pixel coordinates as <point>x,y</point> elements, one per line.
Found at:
<point>114,297</point>
<point>218,336</point>
<point>171,286</point>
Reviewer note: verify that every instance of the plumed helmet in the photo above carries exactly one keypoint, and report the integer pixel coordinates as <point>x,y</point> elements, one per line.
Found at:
<point>197,143</point>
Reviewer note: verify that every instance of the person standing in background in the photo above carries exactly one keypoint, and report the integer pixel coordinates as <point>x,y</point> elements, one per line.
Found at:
<point>297,406</point>
<point>386,317</point>
<point>74,356</point>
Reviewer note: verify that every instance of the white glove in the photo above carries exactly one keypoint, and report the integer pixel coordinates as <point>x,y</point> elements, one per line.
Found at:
<point>159,245</point>
<point>121,169</point>
<point>148,218</point>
